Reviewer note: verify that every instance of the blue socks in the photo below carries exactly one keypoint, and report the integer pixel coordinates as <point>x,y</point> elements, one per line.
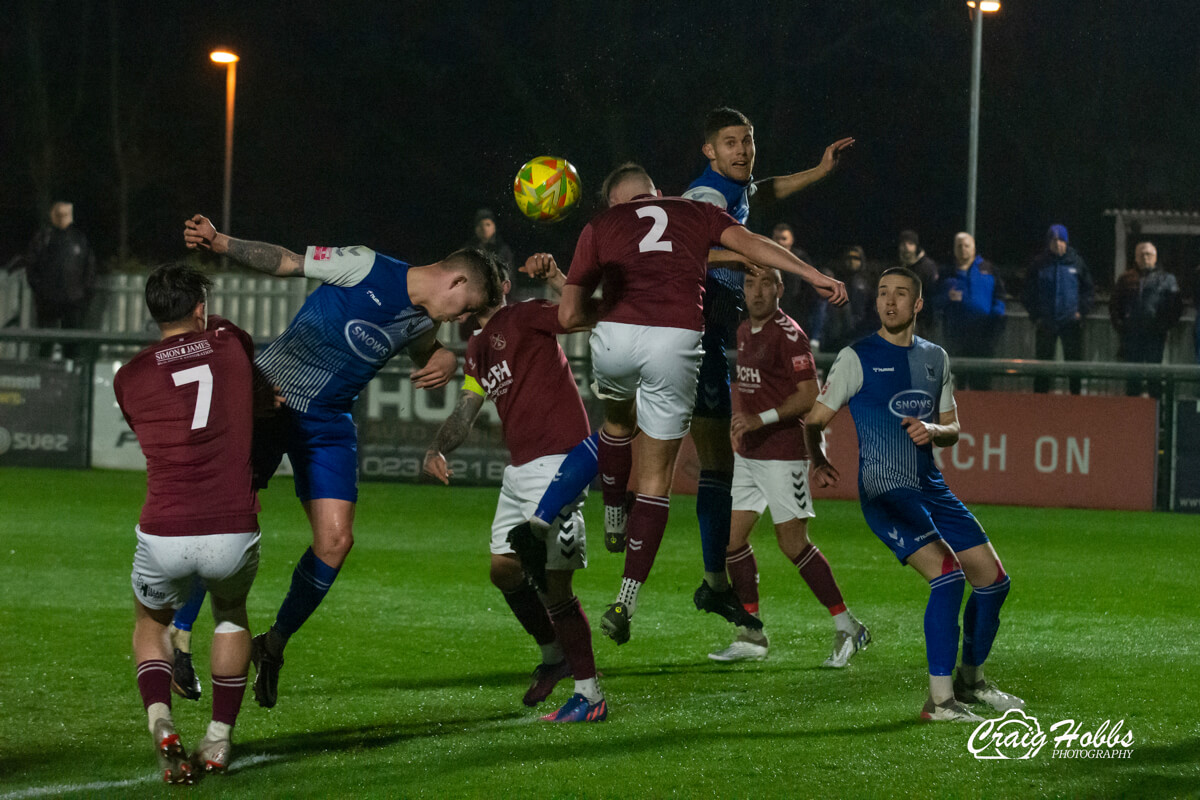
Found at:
<point>714,506</point>
<point>941,621</point>
<point>310,583</point>
<point>186,615</point>
<point>981,620</point>
<point>578,470</point>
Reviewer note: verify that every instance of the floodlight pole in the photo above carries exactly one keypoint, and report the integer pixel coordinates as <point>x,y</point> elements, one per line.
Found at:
<point>973,157</point>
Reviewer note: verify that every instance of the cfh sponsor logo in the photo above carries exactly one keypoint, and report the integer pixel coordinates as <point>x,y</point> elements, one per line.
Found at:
<point>911,403</point>
<point>369,342</point>
<point>1017,735</point>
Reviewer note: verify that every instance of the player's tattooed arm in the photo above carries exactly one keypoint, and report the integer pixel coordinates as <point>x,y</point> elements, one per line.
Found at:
<point>198,232</point>
<point>452,434</point>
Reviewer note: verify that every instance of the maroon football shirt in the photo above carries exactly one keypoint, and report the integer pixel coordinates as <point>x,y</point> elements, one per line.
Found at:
<point>518,363</point>
<point>770,362</point>
<point>652,254</point>
<point>189,399</point>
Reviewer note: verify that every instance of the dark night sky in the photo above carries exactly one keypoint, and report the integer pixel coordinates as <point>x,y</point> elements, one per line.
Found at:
<point>390,123</point>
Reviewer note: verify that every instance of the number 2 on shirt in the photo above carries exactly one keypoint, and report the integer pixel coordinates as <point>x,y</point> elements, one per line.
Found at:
<point>202,377</point>
<point>653,241</point>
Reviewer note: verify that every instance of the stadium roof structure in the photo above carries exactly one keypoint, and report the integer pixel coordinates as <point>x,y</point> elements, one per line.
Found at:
<point>1127,220</point>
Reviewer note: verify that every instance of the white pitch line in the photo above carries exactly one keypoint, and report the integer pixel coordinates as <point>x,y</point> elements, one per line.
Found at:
<point>71,788</point>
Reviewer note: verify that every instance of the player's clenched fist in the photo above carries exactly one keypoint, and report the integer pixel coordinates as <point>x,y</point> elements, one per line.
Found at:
<point>541,266</point>
<point>917,431</point>
<point>435,465</point>
<point>199,232</point>
<point>825,476</point>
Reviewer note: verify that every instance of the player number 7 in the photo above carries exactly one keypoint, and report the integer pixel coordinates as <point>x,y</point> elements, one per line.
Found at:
<point>202,376</point>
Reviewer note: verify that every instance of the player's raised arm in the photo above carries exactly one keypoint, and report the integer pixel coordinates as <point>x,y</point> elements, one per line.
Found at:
<point>761,250</point>
<point>453,432</point>
<point>784,185</point>
<point>198,232</point>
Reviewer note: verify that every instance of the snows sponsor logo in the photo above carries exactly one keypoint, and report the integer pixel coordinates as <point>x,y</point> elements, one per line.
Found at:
<point>1018,735</point>
<point>911,403</point>
<point>369,342</point>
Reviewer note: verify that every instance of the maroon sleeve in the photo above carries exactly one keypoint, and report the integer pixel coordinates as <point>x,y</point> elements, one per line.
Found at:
<point>585,265</point>
<point>471,362</point>
<point>718,220</point>
<point>541,315</point>
<point>798,352</point>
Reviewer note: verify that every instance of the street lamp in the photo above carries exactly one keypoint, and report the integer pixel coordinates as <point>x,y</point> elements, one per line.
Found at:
<point>230,61</point>
<point>986,7</point>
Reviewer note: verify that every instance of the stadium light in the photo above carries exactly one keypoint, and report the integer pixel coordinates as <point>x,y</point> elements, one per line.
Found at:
<point>985,6</point>
<point>229,60</point>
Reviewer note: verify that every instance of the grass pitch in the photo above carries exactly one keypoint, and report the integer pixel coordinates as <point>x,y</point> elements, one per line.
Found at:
<point>407,681</point>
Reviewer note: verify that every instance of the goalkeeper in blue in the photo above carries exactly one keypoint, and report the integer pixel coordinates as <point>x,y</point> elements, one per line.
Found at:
<point>900,392</point>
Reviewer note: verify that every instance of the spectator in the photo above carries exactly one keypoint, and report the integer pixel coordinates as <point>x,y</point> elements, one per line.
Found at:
<point>970,300</point>
<point>800,300</point>
<point>857,318</point>
<point>61,270</point>
<point>1058,295</point>
<point>1145,304</point>
<point>487,239</point>
<point>913,257</point>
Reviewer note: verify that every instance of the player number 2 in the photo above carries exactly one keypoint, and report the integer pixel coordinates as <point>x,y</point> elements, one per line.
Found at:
<point>202,377</point>
<point>653,241</point>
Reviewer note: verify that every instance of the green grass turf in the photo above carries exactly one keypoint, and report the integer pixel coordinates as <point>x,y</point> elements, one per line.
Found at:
<point>407,682</point>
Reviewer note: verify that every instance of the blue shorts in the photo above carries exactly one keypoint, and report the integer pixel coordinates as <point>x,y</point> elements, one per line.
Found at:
<point>722,314</point>
<point>907,519</point>
<point>323,452</point>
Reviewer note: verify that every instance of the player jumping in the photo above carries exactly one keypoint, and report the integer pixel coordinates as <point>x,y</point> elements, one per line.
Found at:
<point>651,254</point>
<point>515,361</point>
<point>775,386</point>
<point>893,381</point>
<point>368,308</point>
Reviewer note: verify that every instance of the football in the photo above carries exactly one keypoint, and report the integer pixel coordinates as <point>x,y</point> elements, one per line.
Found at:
<point>546,188</point>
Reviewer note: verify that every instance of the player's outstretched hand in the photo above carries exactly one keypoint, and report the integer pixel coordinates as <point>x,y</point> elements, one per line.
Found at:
<point>435,465</point>
<point>917,431</point>
<point>833,153</point>
<point>437,372</point>
<point>833,290</point>
<point>825,476</point>
<point>541,266</point>
<point>199,232</point>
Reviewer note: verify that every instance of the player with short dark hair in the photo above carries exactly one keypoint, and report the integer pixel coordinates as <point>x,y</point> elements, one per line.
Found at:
<point>728,183</point>
<point>651,254</point>
<point>368,308</point>
<point>189,399</point>
<point>896,384</point>
<point>515,361</point>
<point>774,387</point>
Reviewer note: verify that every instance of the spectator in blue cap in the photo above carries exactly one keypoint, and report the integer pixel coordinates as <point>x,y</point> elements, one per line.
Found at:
<point>1058,295</point>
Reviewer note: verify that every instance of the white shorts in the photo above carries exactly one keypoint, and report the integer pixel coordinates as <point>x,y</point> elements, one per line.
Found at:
<point>658,366</point>
<point>520,493</point>
<point>164,566</point>
<point>782,485</point>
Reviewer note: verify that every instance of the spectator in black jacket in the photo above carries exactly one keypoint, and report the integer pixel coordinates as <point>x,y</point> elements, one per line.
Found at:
<point>1145,304</point>
<point>800,300</point>
<point>1058,295</point>
<point>61,270</point>
<point>911,255</point>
